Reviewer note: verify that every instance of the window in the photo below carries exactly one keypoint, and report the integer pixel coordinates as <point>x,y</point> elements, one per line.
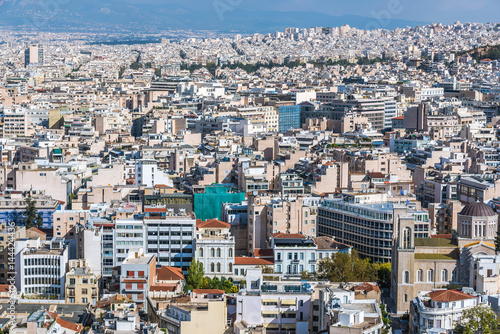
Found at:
<point>218,252</point>
<point>230,267</point>
<point>430,275</point>
<point>406,298</point>
<point>218,267</point>
<point>230,252</point>
<point>407,238</point>
<point>212,252</point>
<point>420,275</point>
<point>85,300</point>
<point>200,252</point>
<point>212,267</point>
<point>444,275</point>
<point>236,272</point>
<point>406,277</point>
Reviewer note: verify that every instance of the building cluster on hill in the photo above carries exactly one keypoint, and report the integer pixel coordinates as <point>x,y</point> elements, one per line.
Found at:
<point>215,183</point>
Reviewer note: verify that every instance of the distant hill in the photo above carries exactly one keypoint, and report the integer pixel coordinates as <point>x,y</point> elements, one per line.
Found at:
<point>148,15</point>
<point>485,52</point>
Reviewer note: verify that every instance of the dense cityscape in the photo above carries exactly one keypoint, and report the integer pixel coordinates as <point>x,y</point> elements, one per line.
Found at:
<point>309,180</point>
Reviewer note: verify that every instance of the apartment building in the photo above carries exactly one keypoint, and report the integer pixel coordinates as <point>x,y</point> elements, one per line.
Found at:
<point>82,285</point>
<point>214,248</point>
<point>138,273</point>
<point>41,267</point>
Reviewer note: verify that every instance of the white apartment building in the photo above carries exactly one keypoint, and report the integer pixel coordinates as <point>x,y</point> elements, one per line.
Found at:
<point>214,246</point>
<point>148,174</point>
<point>438,311</point>
<point>296,253</point>
<point>41,267</point>
<point>278,306</point>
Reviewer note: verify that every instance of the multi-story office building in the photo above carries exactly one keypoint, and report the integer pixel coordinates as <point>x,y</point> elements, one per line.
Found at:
<point>41,267</point>
<point>368,227</point>
<point>15,122</point>
<point>170,238</point>
<point>214,247</point>
<point>289,118</point>
<point>148,174</point>
<point>82,285</point>
<point>33,55</point>
<point>373,109</point>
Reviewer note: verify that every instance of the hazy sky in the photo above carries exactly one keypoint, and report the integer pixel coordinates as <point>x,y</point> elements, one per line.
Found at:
<point>446,11</point>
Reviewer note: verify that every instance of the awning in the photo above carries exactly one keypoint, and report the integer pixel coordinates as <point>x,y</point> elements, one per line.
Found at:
<point>287,326</point>
<point>288,302</point>
<point>270,301</point>
<point>272,325</point>
<point>269,312</point>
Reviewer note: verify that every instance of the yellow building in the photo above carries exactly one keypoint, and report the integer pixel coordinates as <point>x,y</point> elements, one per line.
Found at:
<point>82,286</point>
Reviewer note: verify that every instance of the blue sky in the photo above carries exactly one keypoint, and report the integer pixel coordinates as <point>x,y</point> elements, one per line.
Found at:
<point>446,11</point>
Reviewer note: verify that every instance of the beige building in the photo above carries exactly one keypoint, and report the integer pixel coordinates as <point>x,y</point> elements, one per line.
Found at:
<point>82,286</point>
<point>426,264</point>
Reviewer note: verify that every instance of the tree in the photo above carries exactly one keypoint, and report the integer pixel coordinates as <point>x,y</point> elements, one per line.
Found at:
<point>497,241</point>
<point>479,319</point>
<point>32,218</point>
<point>383,274</point>
<point>194,278</point>
<point>345,267</point>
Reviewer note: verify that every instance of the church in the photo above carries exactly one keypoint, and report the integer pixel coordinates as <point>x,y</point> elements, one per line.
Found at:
<point>425,264</point>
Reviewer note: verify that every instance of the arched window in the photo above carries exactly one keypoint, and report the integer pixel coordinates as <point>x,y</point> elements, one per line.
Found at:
<point>406,238</point>
<point>212,252</point>
<point>218,252</point>
<point>420,275</point>
<point>212,267</point>
<point>454,275</point>
<point>230,267</point>
<point>406,277</point>
<point>444,275</point>
<point>230,252</point>
<point>430,275</point>
<point>218,267</point>
<point>200,252</point>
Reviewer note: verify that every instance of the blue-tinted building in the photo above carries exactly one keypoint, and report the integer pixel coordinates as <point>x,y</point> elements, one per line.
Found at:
<point>289,118</point>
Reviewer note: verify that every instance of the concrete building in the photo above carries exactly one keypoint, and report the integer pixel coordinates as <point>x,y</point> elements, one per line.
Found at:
<point>214,248</point>
<point>82,285</point>
<point>138,273</point>
<point>41,267</point>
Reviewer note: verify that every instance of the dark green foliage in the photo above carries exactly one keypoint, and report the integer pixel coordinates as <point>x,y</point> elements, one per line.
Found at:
<point>32,218</point>
<point>194,278</point>
<point>343,267</point>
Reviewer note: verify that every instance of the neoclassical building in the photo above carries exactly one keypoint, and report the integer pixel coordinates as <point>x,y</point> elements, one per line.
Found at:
<point>425,264</point>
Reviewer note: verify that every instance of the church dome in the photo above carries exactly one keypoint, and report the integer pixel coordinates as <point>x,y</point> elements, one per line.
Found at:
<point>477,209</point>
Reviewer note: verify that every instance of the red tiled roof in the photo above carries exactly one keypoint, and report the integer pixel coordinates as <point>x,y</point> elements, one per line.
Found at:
<point>261,252</point>
<point>69,325</point>
<point>367,287</point>
<point>4,287</point>
<point>155,210</point>
<point>399,117</point>
<point>288,236</point>
<point>209,291</point>
<point>212,223</point>
<point>169,274</point>
<point>449,296</point>
<point>34,229</point>
<point>252,261</point>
